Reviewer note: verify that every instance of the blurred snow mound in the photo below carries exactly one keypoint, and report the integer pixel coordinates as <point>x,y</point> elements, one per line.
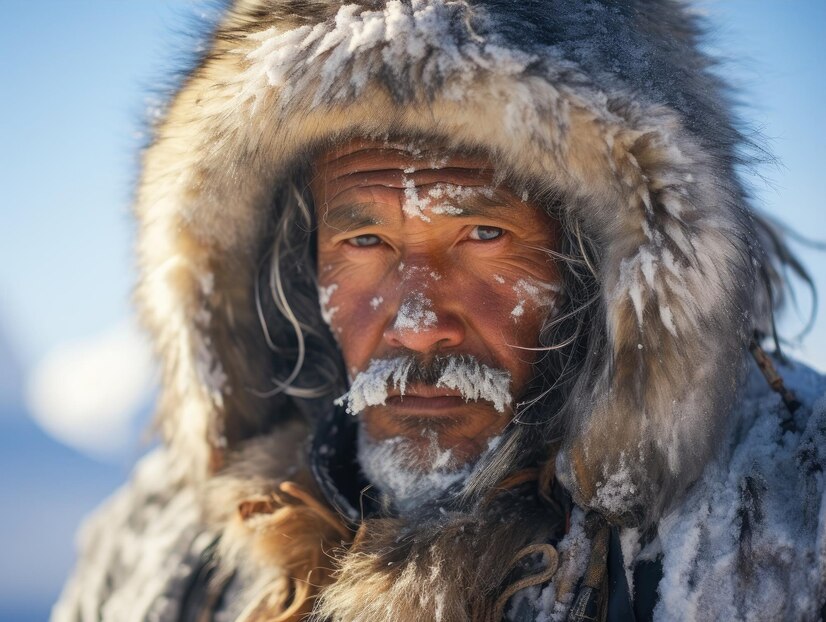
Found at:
<point>87,393</point>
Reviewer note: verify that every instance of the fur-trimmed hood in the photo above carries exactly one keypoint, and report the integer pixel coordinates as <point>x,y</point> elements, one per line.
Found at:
<point>611,108</point>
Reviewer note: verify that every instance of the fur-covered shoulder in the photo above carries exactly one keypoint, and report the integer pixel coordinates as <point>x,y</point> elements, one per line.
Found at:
<point>138,551</point>
<point>748,542</point>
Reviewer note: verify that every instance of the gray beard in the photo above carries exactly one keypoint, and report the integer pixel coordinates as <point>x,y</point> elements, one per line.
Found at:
<point>412,475</point>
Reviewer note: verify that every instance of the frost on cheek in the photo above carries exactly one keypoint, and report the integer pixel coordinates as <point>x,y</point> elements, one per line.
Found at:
<point>324,296</point>
<point>375,303</point>
<point>537,293</point>
<point>415,314</point>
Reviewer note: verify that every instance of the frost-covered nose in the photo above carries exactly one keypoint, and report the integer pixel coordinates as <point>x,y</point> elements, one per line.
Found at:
<point>426,320</point>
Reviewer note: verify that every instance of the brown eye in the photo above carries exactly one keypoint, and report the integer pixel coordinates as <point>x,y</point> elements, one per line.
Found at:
<point>364,240</point>
<point>484,233</point>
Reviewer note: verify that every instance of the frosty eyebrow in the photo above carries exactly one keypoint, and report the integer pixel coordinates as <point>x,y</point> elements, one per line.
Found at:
<point>356,215</point>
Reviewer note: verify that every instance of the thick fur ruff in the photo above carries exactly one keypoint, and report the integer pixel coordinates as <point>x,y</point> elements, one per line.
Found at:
<point>294,561</point>
<point>649,179</point>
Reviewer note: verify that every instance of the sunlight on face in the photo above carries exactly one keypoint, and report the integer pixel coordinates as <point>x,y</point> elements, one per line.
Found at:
<point>422,258</point>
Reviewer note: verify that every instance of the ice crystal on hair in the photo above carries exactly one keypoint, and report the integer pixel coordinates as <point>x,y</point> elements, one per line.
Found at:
<point>472,379</point>
<point>360,44</point>
<point>476,381</point>
<point>369,388</point>
<point>618,487</point>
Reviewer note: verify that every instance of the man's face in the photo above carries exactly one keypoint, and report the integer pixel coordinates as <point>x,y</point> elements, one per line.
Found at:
<point>421,255</point>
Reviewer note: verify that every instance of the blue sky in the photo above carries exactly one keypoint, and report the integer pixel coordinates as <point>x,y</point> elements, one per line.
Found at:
<point>78,76</point>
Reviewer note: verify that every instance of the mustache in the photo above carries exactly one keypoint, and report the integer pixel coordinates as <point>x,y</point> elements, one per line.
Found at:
<point>461,372</point>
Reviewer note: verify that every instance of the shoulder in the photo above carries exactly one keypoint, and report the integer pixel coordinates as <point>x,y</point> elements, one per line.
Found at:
<point>138,550</point>
<point>749,539</point>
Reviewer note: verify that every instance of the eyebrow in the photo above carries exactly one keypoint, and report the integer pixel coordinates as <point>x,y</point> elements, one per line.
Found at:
<point>356,215</point>
<point>350,216</point>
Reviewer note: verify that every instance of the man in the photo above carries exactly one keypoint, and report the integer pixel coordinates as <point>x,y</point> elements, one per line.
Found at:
<point>456,304</point>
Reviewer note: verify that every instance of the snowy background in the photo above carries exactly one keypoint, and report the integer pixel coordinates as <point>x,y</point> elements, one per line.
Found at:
<point>76,379</point>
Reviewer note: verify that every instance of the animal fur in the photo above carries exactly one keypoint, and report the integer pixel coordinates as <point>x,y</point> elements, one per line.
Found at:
<point>642,162</point>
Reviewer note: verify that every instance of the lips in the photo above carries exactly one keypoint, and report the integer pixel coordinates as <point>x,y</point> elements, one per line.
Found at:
<point>425,400</point>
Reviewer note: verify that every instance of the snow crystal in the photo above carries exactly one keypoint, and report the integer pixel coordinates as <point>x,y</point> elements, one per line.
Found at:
<point>498,279</point>
<point>630,545</point>
<point>324,295</point>
<point>415,314</point>
<point>476,381</point>
<point>450,210</point>
<point>613,493</point>
<point>410,474</point>
<point>413,206</point>
<point>376,301</point>
<point>473,380</point>
<point>435,276</point>
<point>538,293</point>
<point>746,543</point>
<point>337,59</point>
<point>369,388</point>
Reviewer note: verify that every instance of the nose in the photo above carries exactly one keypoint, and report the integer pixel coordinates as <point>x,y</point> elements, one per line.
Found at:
<point>425,323</point>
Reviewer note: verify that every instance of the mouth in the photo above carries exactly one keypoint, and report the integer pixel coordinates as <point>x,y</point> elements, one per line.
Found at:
<point>426,401</point>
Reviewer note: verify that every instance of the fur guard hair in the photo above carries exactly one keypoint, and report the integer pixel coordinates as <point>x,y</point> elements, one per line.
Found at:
<point>641,157</point>
<point>297,560</point>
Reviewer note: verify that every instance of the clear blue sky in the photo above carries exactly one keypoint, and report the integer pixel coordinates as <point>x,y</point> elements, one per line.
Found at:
<point>76,78</point>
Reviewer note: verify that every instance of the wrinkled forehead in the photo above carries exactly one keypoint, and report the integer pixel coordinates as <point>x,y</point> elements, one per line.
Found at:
<point>396,164</point>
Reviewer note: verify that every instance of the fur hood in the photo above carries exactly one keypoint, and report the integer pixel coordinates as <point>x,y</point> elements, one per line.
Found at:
<point>610,108</point>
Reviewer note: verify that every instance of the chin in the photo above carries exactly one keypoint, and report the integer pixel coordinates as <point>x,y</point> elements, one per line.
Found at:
<point>466,434</point>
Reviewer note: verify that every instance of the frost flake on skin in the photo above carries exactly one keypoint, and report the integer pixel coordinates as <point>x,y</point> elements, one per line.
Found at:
<point>538,293</point>
<point>324,295</point>
<point>415,314</point>
<point>413,206</point>
<point>498,279</point>
<point>376,301</point>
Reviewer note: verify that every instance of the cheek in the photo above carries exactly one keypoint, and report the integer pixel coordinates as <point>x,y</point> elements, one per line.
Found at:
<point>515,305</point>
<point>508,312</point>
<point>352,310</point>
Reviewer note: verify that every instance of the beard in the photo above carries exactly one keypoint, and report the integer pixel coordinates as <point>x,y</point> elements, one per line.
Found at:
<point>414,474</point>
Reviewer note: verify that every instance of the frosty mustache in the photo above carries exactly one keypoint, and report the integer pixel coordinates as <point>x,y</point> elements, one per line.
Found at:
<point>463,373</point>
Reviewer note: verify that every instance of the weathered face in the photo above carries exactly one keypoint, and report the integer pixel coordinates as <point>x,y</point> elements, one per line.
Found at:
<point>422,255</point>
